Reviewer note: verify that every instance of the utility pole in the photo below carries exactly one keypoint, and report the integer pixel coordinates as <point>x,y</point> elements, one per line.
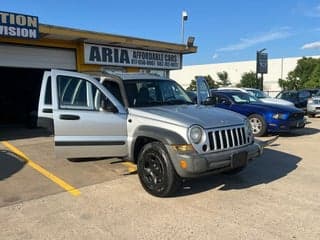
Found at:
<point>184,17</point>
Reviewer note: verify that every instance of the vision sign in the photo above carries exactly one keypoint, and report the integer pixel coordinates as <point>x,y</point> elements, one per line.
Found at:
<point>115,56</point>
<point>18,25</point>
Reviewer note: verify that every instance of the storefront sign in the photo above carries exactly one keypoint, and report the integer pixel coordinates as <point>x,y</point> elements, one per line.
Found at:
<point>18,25</point>
<point>116,56</point>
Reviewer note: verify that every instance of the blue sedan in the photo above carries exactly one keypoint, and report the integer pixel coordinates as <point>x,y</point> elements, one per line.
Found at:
<point>264,118</point>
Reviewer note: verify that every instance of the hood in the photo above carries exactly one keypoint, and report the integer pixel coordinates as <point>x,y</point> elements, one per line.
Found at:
<point>275,108</point>
<point>276,101</point>
<point>187,115</point>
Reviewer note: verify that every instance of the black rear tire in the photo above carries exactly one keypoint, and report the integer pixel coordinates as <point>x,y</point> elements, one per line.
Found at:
<point>156,172</point>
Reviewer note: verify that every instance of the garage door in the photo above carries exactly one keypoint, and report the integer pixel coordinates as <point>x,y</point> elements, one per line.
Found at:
<point>37,57</point>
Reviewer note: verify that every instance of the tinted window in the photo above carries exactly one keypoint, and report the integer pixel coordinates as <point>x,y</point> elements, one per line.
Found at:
<point>144,93</point>
<point>72,91</point>
<point>48,95</point>
<point>304,94</point>
<point>114,89</point>
<point>291,96</point>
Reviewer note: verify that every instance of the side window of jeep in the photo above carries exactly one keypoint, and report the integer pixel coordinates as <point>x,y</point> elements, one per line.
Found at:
<point>48,94</point>
<point>73,92</point>
<point>77,93</point>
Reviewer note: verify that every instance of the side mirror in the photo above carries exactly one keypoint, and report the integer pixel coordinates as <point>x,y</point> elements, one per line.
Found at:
<point>209,101</point>
<point>225,102</point>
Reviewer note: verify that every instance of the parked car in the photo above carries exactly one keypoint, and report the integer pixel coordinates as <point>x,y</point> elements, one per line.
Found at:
<point>148,120</point>
<point>298,97</point>
<point>262,96</point>
<point>313,105</point>
<point>264,117</point>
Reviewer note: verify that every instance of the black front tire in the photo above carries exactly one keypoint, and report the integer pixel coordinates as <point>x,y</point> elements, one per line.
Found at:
<point>258,125</point>
<point>156,172</point>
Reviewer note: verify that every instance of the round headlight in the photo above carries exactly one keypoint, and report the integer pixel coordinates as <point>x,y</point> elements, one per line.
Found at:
<point>195,134</point>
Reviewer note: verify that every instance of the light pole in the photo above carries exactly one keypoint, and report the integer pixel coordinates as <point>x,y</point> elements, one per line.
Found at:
<point>184,17</point>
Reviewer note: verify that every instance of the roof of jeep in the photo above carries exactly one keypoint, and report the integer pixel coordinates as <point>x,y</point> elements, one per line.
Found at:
<point>133,76</point>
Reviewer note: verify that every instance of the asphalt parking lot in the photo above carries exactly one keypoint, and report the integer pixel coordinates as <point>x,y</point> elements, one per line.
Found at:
<point>43,197</point>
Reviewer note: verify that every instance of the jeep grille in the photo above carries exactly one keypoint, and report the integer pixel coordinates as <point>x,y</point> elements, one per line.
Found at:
<point>228,138</point>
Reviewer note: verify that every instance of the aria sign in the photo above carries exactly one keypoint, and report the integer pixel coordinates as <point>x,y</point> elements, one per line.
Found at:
<point>125,57</point>
<point>18,25</point>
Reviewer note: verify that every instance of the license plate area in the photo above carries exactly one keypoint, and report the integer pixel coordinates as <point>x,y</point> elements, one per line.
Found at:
<point>300,124</point>
<point>239,159</point>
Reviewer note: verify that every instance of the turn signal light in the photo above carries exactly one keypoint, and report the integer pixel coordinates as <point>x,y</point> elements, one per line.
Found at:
<point>183,164</point>
<point>183,147</point>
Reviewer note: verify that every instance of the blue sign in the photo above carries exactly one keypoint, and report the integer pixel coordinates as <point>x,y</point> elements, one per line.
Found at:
<point>18,25</point>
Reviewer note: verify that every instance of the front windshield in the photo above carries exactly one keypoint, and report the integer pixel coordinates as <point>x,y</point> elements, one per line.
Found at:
<point>146,93</point>
<point>242,98</point>
<point>258,93</point>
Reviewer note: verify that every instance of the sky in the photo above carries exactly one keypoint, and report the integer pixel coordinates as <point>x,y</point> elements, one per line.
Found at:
<point>224,31</point>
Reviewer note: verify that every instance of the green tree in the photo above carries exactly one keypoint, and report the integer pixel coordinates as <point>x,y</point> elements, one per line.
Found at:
<point>212,83</point>
<point>192,86</point>
<point>305,75</point>
<point>314,81</point>
<point>224,78</point>
<point>248,79</point>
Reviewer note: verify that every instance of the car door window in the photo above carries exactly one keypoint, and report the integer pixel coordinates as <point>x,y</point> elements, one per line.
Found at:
<point>77,93</point>
<point>203,91</point>
<point>73,93</point>
<point>101,102</point>
<point>304,94</point>
<point>48,94</point>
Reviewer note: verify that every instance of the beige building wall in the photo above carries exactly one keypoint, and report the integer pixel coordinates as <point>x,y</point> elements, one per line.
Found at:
<point>277,68</point>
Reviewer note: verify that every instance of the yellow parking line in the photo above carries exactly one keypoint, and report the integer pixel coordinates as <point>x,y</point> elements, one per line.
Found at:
<point>131,166</point>
<point>52,177</point>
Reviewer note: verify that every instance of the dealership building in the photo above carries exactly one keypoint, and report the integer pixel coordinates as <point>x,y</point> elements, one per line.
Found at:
<point>277,68</point>
<point>28,48</point>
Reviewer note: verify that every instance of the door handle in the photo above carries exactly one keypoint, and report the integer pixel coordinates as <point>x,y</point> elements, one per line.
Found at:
<point>47,110</point>
<point>69,117</point>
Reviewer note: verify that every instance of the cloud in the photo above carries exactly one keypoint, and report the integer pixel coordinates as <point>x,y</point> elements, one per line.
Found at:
<point>314,12</point>
<point>312,45</point>
<point>215,56</point>
<point>249,42</point>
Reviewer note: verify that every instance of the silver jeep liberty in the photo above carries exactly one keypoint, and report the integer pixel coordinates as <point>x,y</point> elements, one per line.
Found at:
<point>148,120</point>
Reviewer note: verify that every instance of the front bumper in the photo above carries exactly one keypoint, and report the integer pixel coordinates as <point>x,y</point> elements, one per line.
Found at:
<point>285,125</point>
<point>313,109</point>
<point>211,163</point>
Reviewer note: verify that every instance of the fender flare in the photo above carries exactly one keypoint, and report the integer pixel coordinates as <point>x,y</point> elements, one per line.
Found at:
<point>167,137</point>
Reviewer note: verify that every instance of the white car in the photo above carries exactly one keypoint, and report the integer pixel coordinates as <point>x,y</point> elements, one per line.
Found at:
<point>262,96</point>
